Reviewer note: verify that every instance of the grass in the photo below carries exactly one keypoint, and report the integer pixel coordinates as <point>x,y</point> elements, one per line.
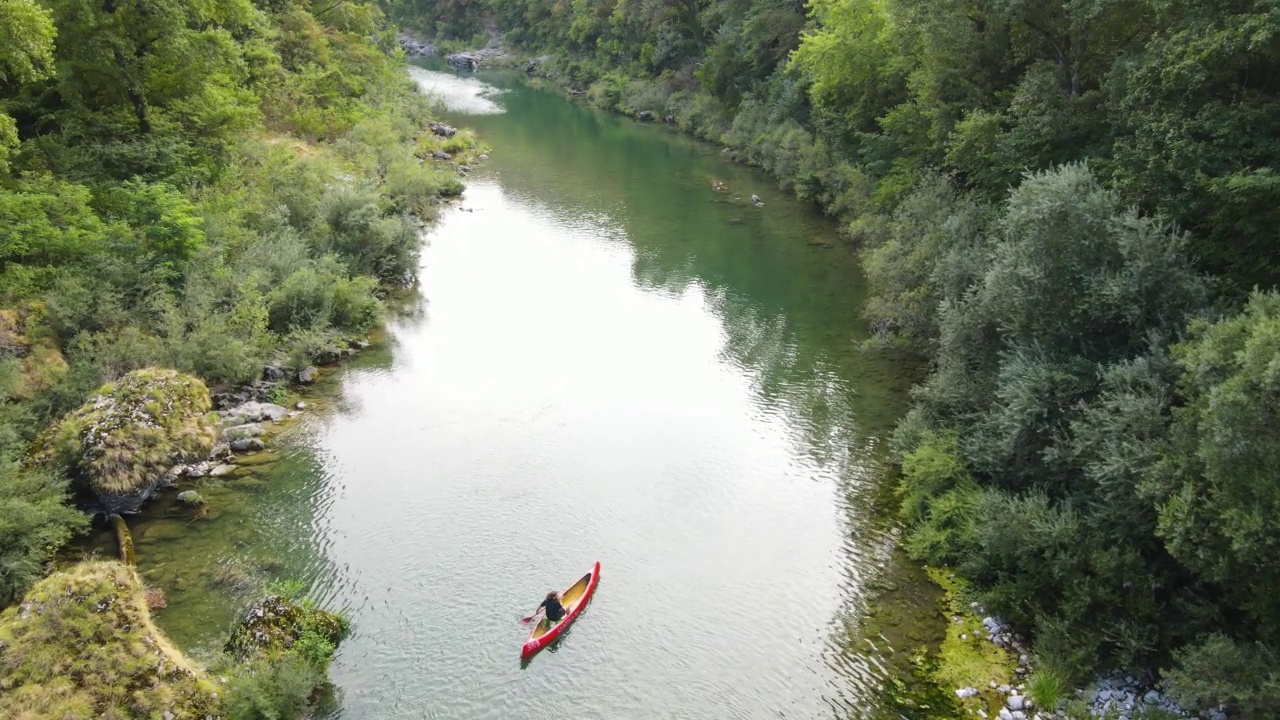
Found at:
<point>82,644</point>
<point>1046,688</point>
<point>967,658</point>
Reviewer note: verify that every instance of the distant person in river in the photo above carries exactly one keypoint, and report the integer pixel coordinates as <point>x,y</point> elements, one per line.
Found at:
<point>552,608</point>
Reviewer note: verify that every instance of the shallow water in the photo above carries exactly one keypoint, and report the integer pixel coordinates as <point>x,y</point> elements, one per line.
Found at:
<point>619,358</point>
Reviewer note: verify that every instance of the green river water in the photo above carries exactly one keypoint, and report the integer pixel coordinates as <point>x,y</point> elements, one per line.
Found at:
<point>614,357</point>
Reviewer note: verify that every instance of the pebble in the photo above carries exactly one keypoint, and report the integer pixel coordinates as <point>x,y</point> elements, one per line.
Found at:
<point>222,470</point>
<point>966,692</point>
<point>301,405</point>
<point>1014,702</point>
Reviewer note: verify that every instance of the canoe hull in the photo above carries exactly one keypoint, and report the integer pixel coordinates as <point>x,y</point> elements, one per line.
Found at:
<point>534,644</point>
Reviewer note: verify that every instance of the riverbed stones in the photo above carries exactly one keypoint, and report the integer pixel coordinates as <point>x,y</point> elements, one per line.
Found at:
<point>222,470</point>
<point>442,129</point>
<point>308,375</point>
<point>248,445</point>
<point>190,497</point>
<point>1014,702</point>
<point>241,432</point>
<point>966,692</point>
<point>253,412</point>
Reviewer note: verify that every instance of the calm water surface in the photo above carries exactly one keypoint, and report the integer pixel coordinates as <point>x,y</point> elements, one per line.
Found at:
<point>618,358</point>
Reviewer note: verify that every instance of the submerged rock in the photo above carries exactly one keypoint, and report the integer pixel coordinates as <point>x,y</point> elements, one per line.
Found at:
<point>308,375</point>
<point>241,432</point>
<point>253,412</point>
<point>248,445</point>
<point>222,470</point>
<point>190,497</point>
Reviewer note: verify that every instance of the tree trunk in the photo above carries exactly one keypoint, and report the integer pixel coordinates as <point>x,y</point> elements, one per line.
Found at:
<point>136,95</point>
<point>124,537</point>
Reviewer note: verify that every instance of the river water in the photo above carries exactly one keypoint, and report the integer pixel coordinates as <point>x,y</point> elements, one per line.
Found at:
<point>615,357</point>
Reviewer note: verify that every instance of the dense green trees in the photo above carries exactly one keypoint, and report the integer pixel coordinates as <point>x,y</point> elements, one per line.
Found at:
<point>195,186</point>
<point>1064,205</point>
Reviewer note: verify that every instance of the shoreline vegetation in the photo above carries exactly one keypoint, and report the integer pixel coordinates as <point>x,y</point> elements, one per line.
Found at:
<point>200,205</point>
<point>1070,211</point>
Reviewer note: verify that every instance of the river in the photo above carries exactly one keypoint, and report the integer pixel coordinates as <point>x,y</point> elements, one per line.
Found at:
<point>615,357</point>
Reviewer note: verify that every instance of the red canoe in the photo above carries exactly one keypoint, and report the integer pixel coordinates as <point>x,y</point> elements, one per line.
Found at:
<point>574,600</point>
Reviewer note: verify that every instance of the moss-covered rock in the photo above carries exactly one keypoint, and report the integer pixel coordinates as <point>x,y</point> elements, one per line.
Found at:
<point>81,644</point>
<point>276,624</point>
<point>123,441</point>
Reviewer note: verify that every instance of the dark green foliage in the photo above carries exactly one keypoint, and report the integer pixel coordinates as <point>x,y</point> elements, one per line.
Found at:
<point>1244,676</point>
<point>34,522</point>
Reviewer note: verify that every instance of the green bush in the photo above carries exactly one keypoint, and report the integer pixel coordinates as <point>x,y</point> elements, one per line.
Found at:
<point>35,521</point>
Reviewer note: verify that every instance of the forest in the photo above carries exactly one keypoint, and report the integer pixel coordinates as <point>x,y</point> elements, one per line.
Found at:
<point>196,186</point>
<point>1070,209</point>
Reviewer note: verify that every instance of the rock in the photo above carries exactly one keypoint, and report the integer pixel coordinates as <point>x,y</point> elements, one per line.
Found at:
<point>253,412</point>
<point>329,356</point>
<point>308,375</point>
<point>241,432</point>
<point>1023,660</point>
<point>222,470</point>
<point>966,692</point>
<point>1005,714</point>
<point>1152,697</point>
<point>1014,702</point>
<point>1004,689</point>
<point>964,636</point>
<point>670,119</point>
<point>982,714</point>
<point>481,157</point>
<point>438,155</point>
<point>991,684</point>
<point>1020,671</point>
<point>644,116</point>
<point>275,623</point>
<point>168,715</point>
<point>177,470</point>
<point>442,129</point>
<point>301,405</point>
<point>198,470</point>
<point>272,373</point>
<point>362,344</point>
<point>190,497</point>
<point>248,445</point>
<point>1018,715</point>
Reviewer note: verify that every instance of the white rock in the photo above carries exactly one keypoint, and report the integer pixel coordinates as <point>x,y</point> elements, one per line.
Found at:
<point>222,470</point>
<point>966,692</point>
<point>1014,702</point>
<point>1005,714</point>
<point>1018,715</point>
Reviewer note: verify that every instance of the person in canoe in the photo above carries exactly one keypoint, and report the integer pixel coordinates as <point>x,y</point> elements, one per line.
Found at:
<point>552,608</point>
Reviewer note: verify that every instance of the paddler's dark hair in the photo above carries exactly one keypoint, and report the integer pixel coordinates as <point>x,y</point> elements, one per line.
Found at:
<point>552,595</point>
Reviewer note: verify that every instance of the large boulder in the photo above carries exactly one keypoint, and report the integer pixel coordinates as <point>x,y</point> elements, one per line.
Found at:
<point>82,644</point>
<point>122,443</point>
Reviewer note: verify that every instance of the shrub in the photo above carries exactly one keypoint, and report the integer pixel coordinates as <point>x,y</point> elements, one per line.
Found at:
<point>35,520</point>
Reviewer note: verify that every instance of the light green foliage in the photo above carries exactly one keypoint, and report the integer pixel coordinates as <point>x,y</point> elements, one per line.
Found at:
<point>1046,688</point>
<point>44,224</point>
<point>34,522</point>
<point>131,432</point>
<point>82,644</point>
